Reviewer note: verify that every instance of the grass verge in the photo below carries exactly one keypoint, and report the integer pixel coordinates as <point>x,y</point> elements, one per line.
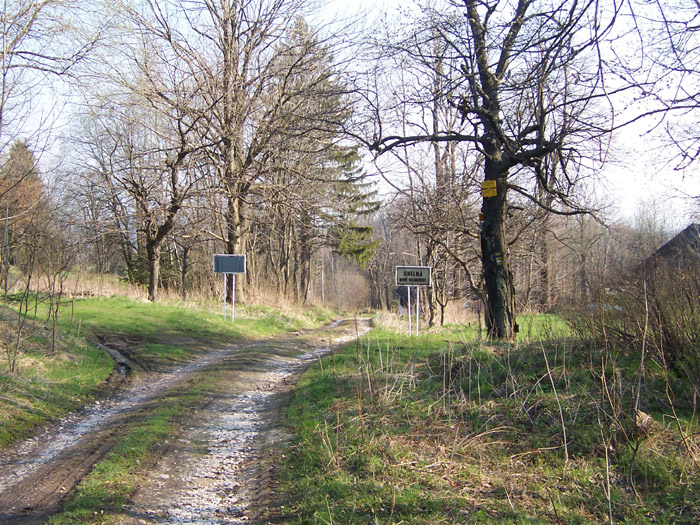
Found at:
<point>443,428</point>
<point>38,384</point>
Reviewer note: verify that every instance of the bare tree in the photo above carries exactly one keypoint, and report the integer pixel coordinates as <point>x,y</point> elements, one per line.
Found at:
<point>525,77</point>
<point>41,41</point>
<point>143,109</point>
<point>666,75</point>
<point>143,156</point>
<point>257,81</point>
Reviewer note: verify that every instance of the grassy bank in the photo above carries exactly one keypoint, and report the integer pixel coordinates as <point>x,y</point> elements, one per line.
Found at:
<point>444,428</point>
<point>39,383</point>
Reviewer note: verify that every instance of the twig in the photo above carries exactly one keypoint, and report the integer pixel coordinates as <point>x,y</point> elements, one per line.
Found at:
<point>561,411</point>
<point>608,490</point>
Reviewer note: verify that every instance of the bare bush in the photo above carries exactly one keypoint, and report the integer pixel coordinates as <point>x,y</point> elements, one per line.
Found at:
<point>656,308</point>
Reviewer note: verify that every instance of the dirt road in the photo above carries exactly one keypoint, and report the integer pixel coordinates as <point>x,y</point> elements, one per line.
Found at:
<point>212,472</point>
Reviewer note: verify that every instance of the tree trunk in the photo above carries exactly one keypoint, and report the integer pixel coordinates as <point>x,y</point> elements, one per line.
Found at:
<point>153,253</point>
<point>434,286</point>
<point>4,258</point>
<point>185,268</point>
<point>305,258</point>
<point>544,275</point>
<point>235,238</point>
<point>500,307</point>
<point>583,278</point>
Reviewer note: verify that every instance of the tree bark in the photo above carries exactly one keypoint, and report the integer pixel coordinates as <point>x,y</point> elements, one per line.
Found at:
<point>543,272</point>
<point>500,304</point>
<point>235,237</point>
<point>153,253</point>
<point>183,271</point>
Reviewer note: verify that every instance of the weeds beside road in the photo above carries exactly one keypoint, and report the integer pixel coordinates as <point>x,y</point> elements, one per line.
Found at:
<point>443,428</point>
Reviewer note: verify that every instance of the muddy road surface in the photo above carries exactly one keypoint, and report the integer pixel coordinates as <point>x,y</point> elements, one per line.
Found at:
<point>219,468</point>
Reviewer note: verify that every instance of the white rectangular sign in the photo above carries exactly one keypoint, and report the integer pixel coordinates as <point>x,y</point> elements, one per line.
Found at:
<point>413,275</point>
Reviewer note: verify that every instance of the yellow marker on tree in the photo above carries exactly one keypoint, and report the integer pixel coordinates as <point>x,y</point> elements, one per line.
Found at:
<point>488,188</point>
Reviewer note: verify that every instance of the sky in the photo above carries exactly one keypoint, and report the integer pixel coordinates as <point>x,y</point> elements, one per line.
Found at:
<point>645,176</point>
<point>641,176</point>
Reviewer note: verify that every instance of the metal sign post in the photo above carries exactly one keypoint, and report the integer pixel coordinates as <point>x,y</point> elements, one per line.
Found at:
<point>230,265</point>
<point>410,329</point>
<point>224,289</point>
<point>411,276</point>
<point>417,309</point>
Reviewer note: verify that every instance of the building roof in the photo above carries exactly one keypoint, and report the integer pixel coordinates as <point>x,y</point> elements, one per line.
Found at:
<point>686,242</point>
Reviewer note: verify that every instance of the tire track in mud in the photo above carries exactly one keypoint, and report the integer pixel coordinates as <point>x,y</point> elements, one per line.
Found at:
<point>37,475</point>
<point>227,483</point>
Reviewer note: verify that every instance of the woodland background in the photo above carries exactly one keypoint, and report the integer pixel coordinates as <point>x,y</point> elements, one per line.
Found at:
<point>139,138</point>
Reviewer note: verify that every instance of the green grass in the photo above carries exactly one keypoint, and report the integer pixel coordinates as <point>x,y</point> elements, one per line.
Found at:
<point>443,429</point>
<point>531,327</point>
<point>119,314</point>
<point>47,385</point>
<point>164,321</point>
<point>542,327</point>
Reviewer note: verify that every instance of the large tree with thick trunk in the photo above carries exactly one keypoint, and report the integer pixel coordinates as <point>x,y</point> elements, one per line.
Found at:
<point>256,83</point>
<point>526,77</point>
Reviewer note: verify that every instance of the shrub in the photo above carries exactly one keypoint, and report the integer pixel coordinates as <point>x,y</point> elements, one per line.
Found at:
<point>656,308</point>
